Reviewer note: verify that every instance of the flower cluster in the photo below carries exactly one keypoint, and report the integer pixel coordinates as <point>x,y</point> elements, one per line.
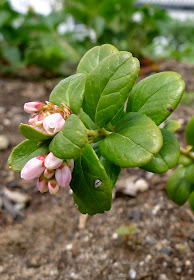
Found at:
<point>48,118</point>
<point>53,173</point>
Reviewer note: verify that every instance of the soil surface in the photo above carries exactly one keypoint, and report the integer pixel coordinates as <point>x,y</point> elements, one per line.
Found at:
<point>44,237</point>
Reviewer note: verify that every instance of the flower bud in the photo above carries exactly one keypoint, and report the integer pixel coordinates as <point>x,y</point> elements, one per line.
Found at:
<point>71,165</point>
<point>48,173</point>
<point>53,187</point>
<point>33,107</point>
<point>33,168</point>
<point>53,123</point>
<point>36,120</point>
<point>42,185</point>
<point>52,162</point>
<point>63,176</point>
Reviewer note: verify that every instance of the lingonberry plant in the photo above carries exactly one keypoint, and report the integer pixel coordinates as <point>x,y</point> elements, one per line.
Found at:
<point>97,122</point>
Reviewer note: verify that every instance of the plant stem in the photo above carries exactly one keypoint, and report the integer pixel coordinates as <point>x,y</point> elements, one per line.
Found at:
<point>187,153</point>
<point>99,133</point>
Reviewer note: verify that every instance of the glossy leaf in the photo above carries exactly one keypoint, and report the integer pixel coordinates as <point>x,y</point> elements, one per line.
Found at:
<point>184,160</point>
<point>191,201</point>
<point>189,173</point>
<point>90,184</point>
<point>178,188</point>
<point>189,133</point>
<point>112,170</point>
<point>134,141</point>
<point>108,86</point>
<point>167,157</point>
<point>172,126</point>
<point>33,134</point>
<point>69,91</point>
<point>93,57</point>
<point>70,141</point>
<point>157,96</point>
<point>26,150</point>
<point>87,120</point>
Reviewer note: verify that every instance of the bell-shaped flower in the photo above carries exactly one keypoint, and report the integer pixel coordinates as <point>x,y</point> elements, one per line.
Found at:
<point>53,123</point>
<point>36,120</point>
<point>33,168</point>
<point>52,162</point>
<point>53,187</point>
<point>42,185</point>
<point>63,176</point>
<point>49,173</point>
<point>33,107</point>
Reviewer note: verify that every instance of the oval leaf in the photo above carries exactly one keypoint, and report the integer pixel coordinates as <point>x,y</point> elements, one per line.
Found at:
<point>112,170</point>
<point>108,86</point>
<point>189,133</point>
<point>167,157</point>
<point>70,141</point>
<point>33,134</point>
<point>26,150</point>
<point>134,141</point>
<point>157,96</point>
<point>87,120</point>
<point>191,201</point>
<point>69,91</point>
<point>90,184</point>
<point>189,173</point>
<point>93,57</point>
<point>172,126</point>
<point>178,188</point>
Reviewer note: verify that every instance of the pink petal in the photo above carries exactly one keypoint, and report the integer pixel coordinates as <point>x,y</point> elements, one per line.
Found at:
<point>53,187</point>
<point>33,107</point>
<point>52,162</point>
<point>33,168</point>
<point>42,185</point>
<point>63,176</point>
<point>53,123</point>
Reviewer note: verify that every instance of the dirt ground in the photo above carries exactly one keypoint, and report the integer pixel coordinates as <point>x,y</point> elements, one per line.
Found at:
<point>48,239</point>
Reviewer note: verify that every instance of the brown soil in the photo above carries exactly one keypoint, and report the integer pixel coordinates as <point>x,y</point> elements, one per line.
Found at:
<point>48,243</point>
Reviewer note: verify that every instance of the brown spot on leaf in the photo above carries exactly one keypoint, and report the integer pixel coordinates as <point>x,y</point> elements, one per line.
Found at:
<point>170,109</point>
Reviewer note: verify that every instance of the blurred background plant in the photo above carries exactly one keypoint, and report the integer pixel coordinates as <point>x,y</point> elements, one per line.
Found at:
<point>56,41</point>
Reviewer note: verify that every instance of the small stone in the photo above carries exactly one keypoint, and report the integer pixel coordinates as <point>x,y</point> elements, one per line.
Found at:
<point>141,263</point>
<point>178,270</point>
<point>115,236</point>
<point>135,215</point>
<point>188,263</point>
<point>190,271</point>
<point>166,250</point>
<point>164,264</point>
<point>156,209</point>
<point>181,247</point>
<point>6,122</point>
<point>132,273</point>
<point>163,277</point>
<point>148,258</point>
<point>69,247</point>
<point>4,142</point>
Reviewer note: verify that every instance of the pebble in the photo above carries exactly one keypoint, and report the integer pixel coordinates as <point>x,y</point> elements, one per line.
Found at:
<point>156,209</point>
<point>132,273</point>
<point>188,263</point>
<point>178,270</point>
<point>131,186</point>
<point>163,277</point>
<point>166,250</point>
<point>115,236</point>
<point>4,142</point>
<point>148,258</point>
<point>135,215</point>
<point>69,247</point>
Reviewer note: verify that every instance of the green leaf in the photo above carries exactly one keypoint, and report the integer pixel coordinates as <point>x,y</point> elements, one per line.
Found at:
<point>88,171</point>
<point>172,126</point>
<point>191,201</point>
<point>26,150</point>
<point>178,188</point>
<point>189,173</point>
<point>134,141</point>
<point>70,141</point>
<point>108,86</point>
<point>189,133</point>
<point>87,120</point>
<point>33,134</point>
<point>112,170</point>
<point>184,160</point>
<point>93,57</point>
<point>157,96</point>
<point>69,91</point>
<point>167,157</point>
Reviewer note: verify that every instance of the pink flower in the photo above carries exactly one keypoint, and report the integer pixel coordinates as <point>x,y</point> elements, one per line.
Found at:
<point>42,185</point>
<point>53,187</point>
<point>33,107</point>
<point>36,120</point>
<point>63,176</point>
<point>48,173</point>
<point>33,168</point>
<point>71,164</point>
<point>52,162</point>
<point>53,123</point>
